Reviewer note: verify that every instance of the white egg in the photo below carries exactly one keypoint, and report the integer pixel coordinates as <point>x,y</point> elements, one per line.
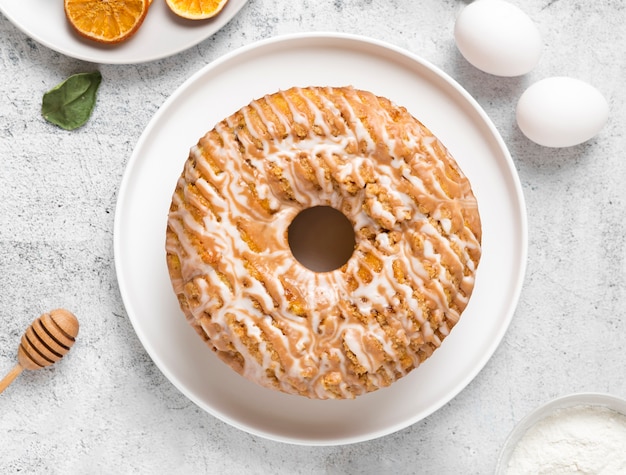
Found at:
<point>498,38</point>
<point>561,112</point>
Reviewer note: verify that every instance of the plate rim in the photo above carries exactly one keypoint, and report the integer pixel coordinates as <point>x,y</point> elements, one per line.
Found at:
<point>522,222</point>
<point>99,55</point>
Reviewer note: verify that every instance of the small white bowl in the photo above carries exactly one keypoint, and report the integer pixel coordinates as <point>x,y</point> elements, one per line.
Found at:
<point>573,400</point>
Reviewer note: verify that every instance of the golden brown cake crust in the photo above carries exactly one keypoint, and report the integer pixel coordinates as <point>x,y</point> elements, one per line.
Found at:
<point>334,334</point>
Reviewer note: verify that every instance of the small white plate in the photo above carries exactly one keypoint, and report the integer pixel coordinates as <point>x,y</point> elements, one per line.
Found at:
<point>221,88</point>
<point>552,407</point>
<point>162,33</point>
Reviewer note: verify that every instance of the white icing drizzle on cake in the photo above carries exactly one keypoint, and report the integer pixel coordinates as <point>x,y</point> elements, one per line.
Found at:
<point>334,334</point>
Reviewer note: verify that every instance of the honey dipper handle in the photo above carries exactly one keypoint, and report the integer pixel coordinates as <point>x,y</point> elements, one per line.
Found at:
<point>8,379</point>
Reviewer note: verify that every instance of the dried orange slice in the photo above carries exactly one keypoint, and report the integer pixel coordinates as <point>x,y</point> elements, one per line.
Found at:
<point>196,9</point>
<point>106,21</point>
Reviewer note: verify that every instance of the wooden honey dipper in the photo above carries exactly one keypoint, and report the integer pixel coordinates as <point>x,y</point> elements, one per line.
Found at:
<point>45,342</point>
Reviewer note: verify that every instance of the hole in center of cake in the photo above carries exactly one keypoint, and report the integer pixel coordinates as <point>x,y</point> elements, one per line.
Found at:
<point>321,238</point>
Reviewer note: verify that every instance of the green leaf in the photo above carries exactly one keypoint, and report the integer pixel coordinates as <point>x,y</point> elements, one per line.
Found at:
<point>70,103</point>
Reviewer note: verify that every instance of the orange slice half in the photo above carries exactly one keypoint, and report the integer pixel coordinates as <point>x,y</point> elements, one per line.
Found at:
<point>106,21</point>
<point>196,9</point>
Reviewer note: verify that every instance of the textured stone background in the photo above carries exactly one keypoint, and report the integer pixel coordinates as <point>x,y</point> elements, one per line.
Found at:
<point>106,408</point>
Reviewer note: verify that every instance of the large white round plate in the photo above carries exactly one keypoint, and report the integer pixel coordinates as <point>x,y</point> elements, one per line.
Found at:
<point>162,33</point>
<point>226,85</point>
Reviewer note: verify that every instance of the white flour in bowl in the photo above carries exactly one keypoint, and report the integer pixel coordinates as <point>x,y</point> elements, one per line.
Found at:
<point>588,440</point>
